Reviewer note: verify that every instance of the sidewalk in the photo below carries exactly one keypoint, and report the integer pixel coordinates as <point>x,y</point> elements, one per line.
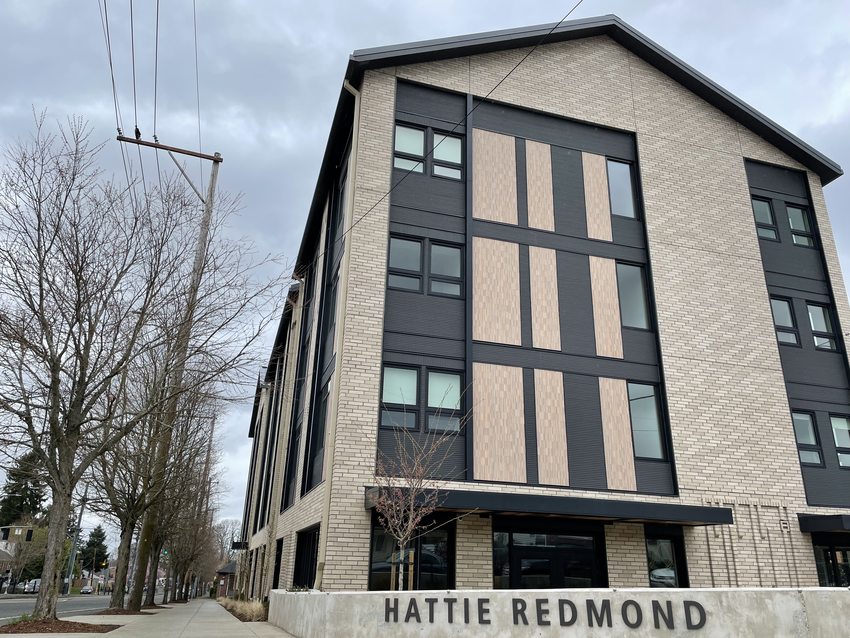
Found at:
<point>197,619</point>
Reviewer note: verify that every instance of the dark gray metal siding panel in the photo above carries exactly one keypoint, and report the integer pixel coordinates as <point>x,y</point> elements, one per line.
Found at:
<point>525,297</point>
<point>640,346</point>
<point>454,464</point>
<point>576,305</point>
<point>787,259</point>
<point>654,477</point>
<point>423,192</point>
<point>419,314</point>
<point>554,130</point>
<point>568,192</point>
<point>812,395</point>
<point>408,221</point>
<point>427,346</point>
<point>776,178</point>
<point>628,232</point>
<point>811,367</point>
<point>548,360</point>
<point>415,360</point>
<point>521,184</point>
<point>529,405</point>
<point>429,102</point>
<point>533,237</point>
<point>829,485</point>
<point>585,447</point>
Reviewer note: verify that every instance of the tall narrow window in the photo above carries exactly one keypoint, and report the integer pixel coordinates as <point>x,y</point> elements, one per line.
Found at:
<point>801,227</point>
<point>621,190</point>
<point>405,264</point>
<point>783,321</point>
<point>647,436</point>
<point>444,401</point>
<point>447,156</point>
<point>409,148</point>
<point>807,439</point>
<point>822,330</point>
<point>765,223</point>
<point>841,436</point>
<point>633,308</point>
<point>665,556</point>
<point>445,270</point>
<point>399,397</point>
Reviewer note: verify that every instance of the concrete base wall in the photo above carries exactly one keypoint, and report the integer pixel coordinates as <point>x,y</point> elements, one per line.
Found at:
<point>582,612</point>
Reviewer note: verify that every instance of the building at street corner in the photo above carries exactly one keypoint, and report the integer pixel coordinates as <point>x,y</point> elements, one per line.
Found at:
<point>617,277</point>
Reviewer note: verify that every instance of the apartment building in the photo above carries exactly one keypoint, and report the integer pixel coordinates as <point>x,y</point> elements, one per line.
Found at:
<point>611,283</point>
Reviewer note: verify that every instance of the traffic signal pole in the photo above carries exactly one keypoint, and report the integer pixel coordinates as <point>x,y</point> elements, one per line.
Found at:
<point>73,556</point>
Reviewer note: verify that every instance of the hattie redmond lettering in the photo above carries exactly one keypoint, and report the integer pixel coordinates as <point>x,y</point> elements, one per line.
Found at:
<point>543,612</point>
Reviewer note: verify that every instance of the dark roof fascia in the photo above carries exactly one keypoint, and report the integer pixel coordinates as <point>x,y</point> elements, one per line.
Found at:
<point>624,34</point>
<point>591,508</point>
<point>281,337</point>
<point>824,522</point>
<point>256,407</point>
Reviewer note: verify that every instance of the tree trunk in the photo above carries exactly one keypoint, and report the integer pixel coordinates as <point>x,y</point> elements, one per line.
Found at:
<point>401,547</point>
<point>122,566</point>
<point>150,597</point>
<point>48,593</point>
<point>169,575</point>
<point>143,547</point>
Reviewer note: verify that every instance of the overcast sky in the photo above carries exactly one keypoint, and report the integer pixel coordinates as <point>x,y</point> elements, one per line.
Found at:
<point>270,74</point>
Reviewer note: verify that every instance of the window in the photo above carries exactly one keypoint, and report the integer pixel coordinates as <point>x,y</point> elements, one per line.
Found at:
<point>445,157</point>
<point>306,556</point>
<point>620,189</point>
<point>409,148</point>
<point>801,228</point>
<point>821,322</point>
<point>765,223</point>
<point>444,267</point>
<point>646,422</point>
<point>430,557</point>
<point>783,320</point>
<point>633,307</point>
<point>443,401</point>
<point>399,397</point>
<point>665,556</point>
<point>841,436</point>
<point>807,439</point>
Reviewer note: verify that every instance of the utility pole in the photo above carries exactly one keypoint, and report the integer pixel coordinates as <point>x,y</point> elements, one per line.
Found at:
<point>73,557</point>
<point>181,350</point>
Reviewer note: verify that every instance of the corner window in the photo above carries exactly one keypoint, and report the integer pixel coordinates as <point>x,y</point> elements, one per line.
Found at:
<point>783,321</point>
<point>409,148</point>
<point>841,436</point>
<point>443,401</point>
<point>765,222</point>
<point>807,440</point>
<point>399,397</point>
<point>621,191</point>
<point>406,270</point>
<point>647,436</point>
<point>801,228</point>
<point>632,290</point>
<point>443,159</point>
<point>822,330</point>
<point>665,556</point>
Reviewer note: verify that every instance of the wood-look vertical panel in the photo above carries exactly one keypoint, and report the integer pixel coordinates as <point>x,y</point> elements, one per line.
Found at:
<point>494,192</point>
<point>552,468</point>
<point>541,207</point>
<point>617,434</point>
<point>499,420</point>
<point>606,307</point>
<point>495,291</point>
<point>545,315</point>
<point>596,203</point>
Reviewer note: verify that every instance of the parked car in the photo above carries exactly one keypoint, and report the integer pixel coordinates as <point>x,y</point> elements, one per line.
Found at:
<point>33,586</point>
<point>86,589</point>
<point>19,588</point>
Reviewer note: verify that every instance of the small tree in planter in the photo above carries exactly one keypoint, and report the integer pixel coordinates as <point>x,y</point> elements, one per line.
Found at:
<point>407,482</point>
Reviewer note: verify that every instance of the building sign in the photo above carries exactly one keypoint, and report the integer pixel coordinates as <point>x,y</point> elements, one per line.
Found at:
<point>545,612</point>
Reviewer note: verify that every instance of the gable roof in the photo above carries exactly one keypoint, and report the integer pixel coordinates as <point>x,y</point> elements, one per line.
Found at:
<point>610,25</point>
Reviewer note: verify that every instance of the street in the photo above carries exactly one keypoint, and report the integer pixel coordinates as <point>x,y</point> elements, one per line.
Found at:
<point>13,608</point>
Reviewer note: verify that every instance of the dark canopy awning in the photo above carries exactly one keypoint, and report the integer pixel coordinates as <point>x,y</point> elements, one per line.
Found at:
<point>824,522</point>
<point>572,506</point>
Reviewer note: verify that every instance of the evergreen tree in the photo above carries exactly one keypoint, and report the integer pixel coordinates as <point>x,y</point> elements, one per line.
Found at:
<point>94,555</point>
<point>24,492</point>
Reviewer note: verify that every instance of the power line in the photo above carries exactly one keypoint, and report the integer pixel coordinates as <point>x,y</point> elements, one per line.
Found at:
<point>454,128</point>
<point>197,89</point>
<point>155,88</point>
<point>135,106</point>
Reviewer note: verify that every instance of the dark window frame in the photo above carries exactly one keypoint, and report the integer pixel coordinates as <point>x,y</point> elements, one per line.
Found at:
<point>663,429</point>
<point>424,274</point>
<point>675,535</point>
<point>793,330</point>
<point>403,408</point>
<point>839,449</point>
<point>427,159</point>
<point>429,411</point>
<point>646,296</point>
<point>421,410</point>
<point>306,556</point>
<point>761,225</point>
<point>808,447</point>
<point>832,336</point>
<point>632,181</point>
<point>810,234</point>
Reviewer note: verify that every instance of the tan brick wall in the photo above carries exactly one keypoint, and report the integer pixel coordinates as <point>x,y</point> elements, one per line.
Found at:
<point>474,552</point>
<point>625,545</point>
